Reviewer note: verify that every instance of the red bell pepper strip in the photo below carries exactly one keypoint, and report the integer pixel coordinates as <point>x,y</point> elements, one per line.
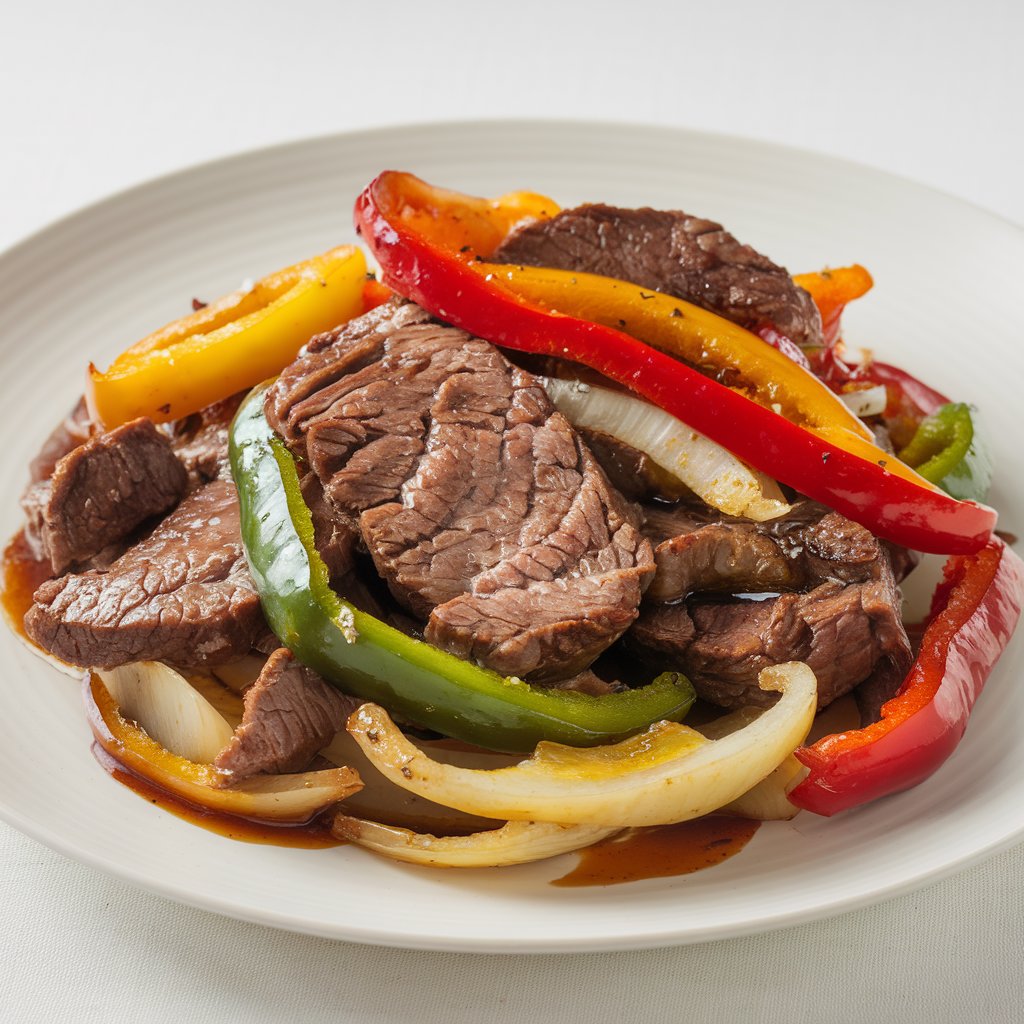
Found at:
<point>901,508</point>
<point>974,612</point>
<point>926,398</point>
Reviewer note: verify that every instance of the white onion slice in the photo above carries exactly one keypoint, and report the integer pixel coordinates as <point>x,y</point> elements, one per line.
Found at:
<point>517,842</point>
<point>666,774</point>
<point>240,674</point>
<point>225,701</point>
<point>706,468</point>
<point>768,800</point>
<point>869,402</point>
<point>383,802</point>
<point>169,709</point>
<point>281,799</point>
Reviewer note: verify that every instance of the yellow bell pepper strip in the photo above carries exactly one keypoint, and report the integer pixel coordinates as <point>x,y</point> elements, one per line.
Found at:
<point>847,473</point>
<point>974,612</point>
<point>713,344</point>
<point>229,345</point>
<point>949,450</point>
<point>366,657</point>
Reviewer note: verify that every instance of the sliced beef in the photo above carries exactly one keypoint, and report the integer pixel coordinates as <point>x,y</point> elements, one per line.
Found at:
<point>807,546</point>
<point>843,632</point>
<point>100,491</point>
<point>290,714</point>
<point>838,606</point>
<point>589,683</point>
<point>76,428</point>
<point>481,507</point>
<point>201,441</point>
<point>672,252</point>
<point>721,556</point>
<point>182,595</point>
<point>334,539</point>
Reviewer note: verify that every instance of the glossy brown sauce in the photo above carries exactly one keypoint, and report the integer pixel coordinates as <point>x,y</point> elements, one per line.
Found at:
<point>315,835</point>
<point>661,851</point>
<point>21,575</point>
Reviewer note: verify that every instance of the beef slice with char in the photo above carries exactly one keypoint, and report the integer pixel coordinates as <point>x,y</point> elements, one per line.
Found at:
<point>290,714</point>
<point>672,252</point>
<point>182,595</point>
<point>100,491</point>
<point>845,633</point>
<point>481,507</point>
<point>695,551</point>
<point>839,610</point>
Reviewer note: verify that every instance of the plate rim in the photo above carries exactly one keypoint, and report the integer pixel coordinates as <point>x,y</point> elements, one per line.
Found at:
<point>521,123</point>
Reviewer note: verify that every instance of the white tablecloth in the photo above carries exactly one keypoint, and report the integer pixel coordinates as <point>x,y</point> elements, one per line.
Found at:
<point>97,97</point>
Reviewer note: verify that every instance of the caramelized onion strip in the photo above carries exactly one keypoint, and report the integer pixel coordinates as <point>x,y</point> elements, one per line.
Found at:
<point>665,774</point>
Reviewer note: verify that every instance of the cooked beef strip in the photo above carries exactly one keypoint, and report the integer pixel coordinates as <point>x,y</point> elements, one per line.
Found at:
<point>808,545</point>
<point>100,491</point>
<point>290,714</point>
<point>589,683</point>
<point>478,502</point>
<point>334,539</point>
<point>843,632</point>
<point>182,595</point>
<point>672,252</point>
<point>76,428</point>
<point>201,441</point>
<point>847,626</point>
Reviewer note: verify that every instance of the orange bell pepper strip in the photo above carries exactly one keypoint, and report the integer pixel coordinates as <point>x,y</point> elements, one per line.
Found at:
<point>229,345</point>
<point>831,291</point>
<point>375,294</point>
<point>469,225</point>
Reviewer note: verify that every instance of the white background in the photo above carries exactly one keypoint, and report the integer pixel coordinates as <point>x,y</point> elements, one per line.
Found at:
<point>97,97</point>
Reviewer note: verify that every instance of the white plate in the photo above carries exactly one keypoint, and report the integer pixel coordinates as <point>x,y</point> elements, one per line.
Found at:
<point>945,305</point>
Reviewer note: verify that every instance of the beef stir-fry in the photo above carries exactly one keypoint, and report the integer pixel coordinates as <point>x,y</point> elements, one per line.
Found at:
<point>503,503</point>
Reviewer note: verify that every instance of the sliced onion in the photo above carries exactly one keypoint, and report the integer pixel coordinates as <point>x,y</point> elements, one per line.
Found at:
<point>387,804</point>
<point>768,800</point>
<point>240,674</point>
<point>170,710</point>
<point>284,799</point>
<point>666,774</point>
<point>706,468</point>
<point>225,701</point>
<point>517,842</point>
<point>868,402</point>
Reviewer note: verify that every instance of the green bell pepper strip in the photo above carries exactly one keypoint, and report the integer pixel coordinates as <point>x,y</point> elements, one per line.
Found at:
<point>949,450</point>
<point>365,657</point>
